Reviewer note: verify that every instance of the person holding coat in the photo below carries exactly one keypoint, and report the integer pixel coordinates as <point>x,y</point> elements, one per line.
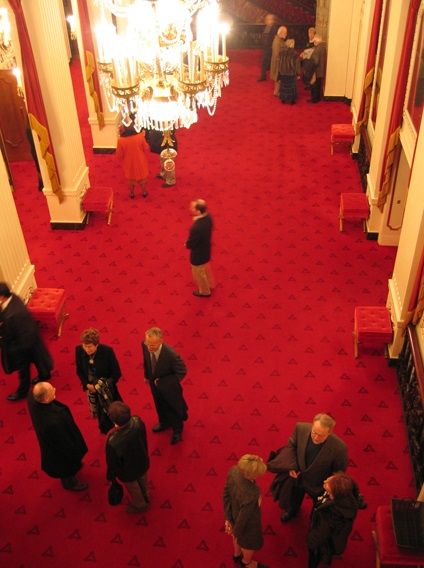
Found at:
<point>332,519</point>
<point>164,370</point>
<point>99,371</point>
<point>312,454</point>
<point>21,343</point>
<point>61,443</point>
<point>127,455</point>
<point>242,502</point>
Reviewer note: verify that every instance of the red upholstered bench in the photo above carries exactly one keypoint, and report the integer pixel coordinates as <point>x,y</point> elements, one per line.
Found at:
<point>372,324</point>
<point>47,306</point>
<point>353,206</point>
<point>341,134</point>
<point>99,199</point>
<point>388,553</point>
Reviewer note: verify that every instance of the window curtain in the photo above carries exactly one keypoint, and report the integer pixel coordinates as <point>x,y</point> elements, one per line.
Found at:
<point>397,106</point>
<point>364,108</point>
<point>90,67</point>
<point>36,111</point>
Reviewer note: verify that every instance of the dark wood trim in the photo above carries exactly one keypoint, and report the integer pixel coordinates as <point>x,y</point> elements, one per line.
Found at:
<point>372,236</point>
<point>70,226</point>
<point>364,157</point>
<point>338,100</point>
<point>104,150</point>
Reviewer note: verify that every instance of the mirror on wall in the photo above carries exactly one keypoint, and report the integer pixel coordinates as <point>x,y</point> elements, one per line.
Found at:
<point>415,91</point>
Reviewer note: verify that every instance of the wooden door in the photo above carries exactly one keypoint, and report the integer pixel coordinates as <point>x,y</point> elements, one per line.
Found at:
<point>13,119</point>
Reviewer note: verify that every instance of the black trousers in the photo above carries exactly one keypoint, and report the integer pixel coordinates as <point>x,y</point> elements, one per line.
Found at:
<point>266,62</point>
<point>316,90</point>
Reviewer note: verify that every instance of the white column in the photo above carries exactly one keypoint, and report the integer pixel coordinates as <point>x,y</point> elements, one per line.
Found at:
<point>343,34</point>
<point>410,250</point>
<point>15,265</point>
<point>104,139</point>
<point>44,22</point>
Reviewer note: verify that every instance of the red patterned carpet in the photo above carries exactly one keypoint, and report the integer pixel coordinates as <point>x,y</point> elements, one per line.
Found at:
<point>272,346</point>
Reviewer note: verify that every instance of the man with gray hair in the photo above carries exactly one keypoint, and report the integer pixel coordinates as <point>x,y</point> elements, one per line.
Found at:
<point>61,443</point>
<point>164,370</point>
<point>312,454</point>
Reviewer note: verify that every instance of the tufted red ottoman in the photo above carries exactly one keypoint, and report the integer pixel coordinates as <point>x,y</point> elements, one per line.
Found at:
<point>372,324</point>
<point>99,199</point>
<point>47,306</point>
<point>353,206</point>
<point>388,552</point>
<point>341,134</point>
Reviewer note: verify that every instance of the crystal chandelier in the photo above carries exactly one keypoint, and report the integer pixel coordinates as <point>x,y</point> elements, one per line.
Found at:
<point>155,71</point>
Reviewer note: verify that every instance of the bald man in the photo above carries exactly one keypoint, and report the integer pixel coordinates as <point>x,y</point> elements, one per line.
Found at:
<point>61,443</point>
<point>199,243</point>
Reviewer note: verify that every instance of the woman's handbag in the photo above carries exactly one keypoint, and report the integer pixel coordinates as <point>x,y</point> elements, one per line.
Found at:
<point>115,493</point>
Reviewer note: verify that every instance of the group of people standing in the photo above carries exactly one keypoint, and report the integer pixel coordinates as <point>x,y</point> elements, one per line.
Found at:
<point>312,463</point>
<point>62,445</point>
<point>286,66</point>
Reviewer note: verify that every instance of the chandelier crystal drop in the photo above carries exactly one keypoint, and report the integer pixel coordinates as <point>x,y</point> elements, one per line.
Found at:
<point>159,61</point>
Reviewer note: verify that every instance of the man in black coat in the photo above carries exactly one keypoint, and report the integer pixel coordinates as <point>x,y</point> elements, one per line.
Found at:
<point>271,28</point>
<point>164,370</point>
<point>62,446</point>
<point>127,455</point>
<point>199,243</point>
<point>21,343</point>
<point>317,454</point>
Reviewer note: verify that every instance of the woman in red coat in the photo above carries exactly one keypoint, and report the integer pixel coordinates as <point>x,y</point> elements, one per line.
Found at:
<point>131,149</point>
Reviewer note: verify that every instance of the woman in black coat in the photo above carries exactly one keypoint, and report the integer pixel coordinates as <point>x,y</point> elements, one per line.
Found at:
<point>332,519</point>
<point>242,500</point>
<point>99,371</point>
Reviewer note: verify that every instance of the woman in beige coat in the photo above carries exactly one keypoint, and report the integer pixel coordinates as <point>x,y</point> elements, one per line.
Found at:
<point>277,46</point>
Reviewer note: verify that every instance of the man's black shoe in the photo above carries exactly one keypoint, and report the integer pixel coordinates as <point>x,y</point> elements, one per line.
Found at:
<point>176,437</point>
<point>287,516</point>
<point>159,427</point>
<point>16,396</point>
<point>79,486</point>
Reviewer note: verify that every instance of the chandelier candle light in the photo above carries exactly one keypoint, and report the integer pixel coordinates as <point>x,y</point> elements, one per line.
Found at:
<point>153,71</point>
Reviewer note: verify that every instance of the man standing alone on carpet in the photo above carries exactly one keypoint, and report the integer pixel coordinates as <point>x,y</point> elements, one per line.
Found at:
<point>127,456</point>
<point>21,343</point>
<point>312,454</point>
<point>199,243</point>
<point>61,443</point>
<point>164,370</point>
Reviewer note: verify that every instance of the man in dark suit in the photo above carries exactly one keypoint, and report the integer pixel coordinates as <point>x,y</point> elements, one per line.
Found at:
<point>199,243</point>
<point>21,343</point>
<point>164,370</point>
<point>318,453</point>
<point>319,61</point>
<point>62,446</point>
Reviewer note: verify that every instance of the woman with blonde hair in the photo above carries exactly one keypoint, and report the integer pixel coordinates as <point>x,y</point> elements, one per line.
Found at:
<point>242,500</point>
